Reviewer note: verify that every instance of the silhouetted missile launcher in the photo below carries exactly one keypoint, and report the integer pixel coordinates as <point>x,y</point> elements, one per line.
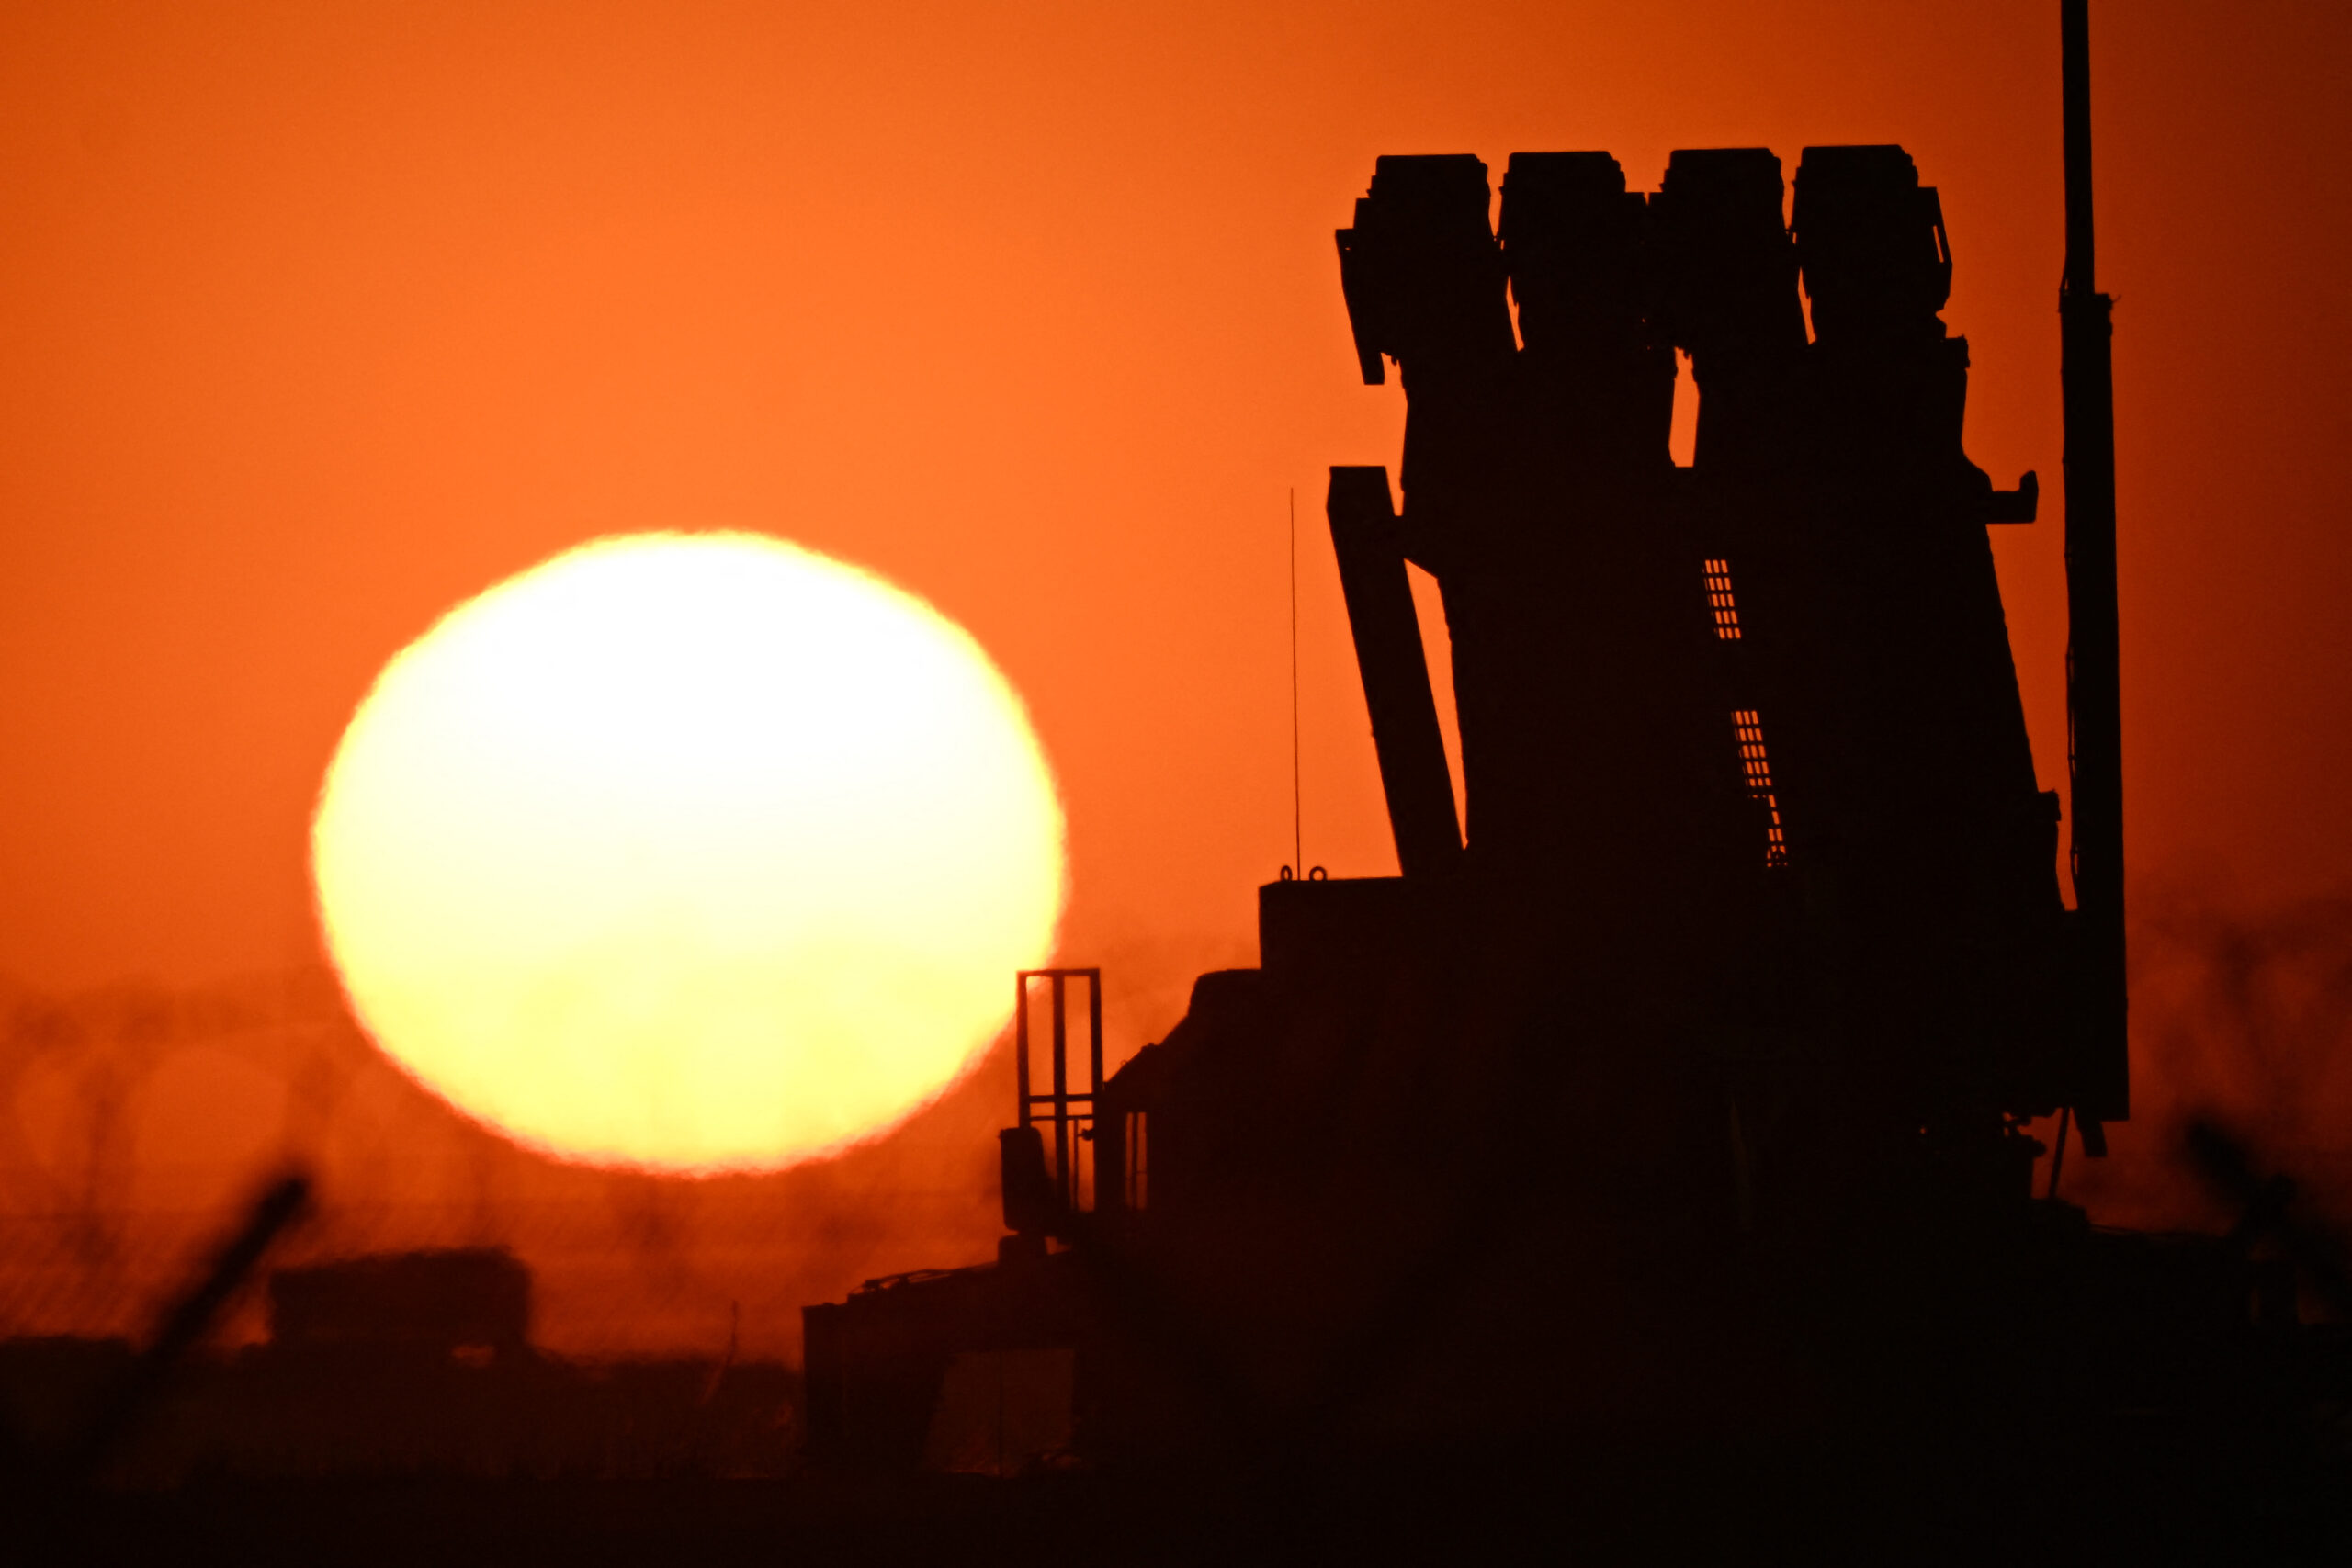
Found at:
<point>1698,1079</point>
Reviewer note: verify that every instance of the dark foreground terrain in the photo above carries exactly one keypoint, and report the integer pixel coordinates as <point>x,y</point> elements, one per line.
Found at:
<point>2150,1495</point>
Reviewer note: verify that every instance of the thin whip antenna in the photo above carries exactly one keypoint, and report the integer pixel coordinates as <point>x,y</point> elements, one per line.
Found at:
<point>1297,811</point>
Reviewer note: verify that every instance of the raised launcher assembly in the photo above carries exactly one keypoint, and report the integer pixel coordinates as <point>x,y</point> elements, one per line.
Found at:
<point>1696,1081</point>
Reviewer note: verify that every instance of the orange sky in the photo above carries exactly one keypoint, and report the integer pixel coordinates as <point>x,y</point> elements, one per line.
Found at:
<point>316,319</point>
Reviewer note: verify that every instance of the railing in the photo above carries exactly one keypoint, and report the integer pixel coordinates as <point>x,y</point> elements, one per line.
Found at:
<point>1071,1111</point>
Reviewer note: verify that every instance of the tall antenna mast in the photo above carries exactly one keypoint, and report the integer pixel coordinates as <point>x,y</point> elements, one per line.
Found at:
<point>2094,700</point>
<point>1297,811</point>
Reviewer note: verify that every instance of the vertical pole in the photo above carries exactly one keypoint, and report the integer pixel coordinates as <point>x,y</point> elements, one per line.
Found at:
<point>1061,1092</point>
<point>1094,1033</point>
<point>1021,1044</point>
<point>1297,796</point>
<point>2058,1151</point>
<point>2094,700</point>
<point>1094,1076</point>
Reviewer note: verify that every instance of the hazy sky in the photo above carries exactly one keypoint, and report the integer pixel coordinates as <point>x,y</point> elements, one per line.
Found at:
<point>315,320</point>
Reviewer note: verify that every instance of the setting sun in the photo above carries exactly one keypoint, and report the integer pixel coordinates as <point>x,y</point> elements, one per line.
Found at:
<point>690,851</point>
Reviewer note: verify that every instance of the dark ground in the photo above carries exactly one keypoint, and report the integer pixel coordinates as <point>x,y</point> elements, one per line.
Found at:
<point>2148,1495</point>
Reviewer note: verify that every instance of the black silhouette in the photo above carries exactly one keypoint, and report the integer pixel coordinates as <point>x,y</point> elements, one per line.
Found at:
<point>1683,1108</point>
